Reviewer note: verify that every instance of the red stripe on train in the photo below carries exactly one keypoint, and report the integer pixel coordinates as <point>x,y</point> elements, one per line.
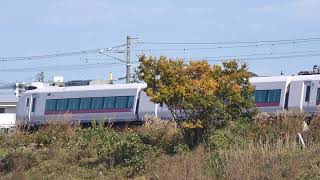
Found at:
<point>89,111</point>
<point>267,104</point>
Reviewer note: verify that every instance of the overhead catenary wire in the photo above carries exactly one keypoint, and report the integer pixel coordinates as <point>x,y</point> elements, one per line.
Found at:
<point>217,47</point>
<point>263,58</point>
<point>254,54</point>
<point>64,67</point>
<point>113,49</point>
<point>96,59</point>
<point>57,55</point>
<point>223,58</point>
<point>118,49</point>
<point>231,42</point>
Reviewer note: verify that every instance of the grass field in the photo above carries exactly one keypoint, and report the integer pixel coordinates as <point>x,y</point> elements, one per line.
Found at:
<point>263,149</point>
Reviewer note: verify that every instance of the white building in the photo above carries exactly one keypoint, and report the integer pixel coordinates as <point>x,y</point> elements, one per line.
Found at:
<point>7,110</point>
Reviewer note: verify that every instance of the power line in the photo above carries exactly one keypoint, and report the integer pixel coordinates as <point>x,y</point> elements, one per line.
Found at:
<point>211,59</point>
<point>65,67</point>
<point>220,47</point>
<point>256,54</point>
<point>112,49</point>
<point>232,42</point>
<point>115,58</point>
<point>265,58</point>
<point>96,59</point>
<point>57,55</point>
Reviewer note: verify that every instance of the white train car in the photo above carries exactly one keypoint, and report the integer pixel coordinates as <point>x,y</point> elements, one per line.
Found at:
<point>271,92</point>
<point>110,102</point>
<point>277,93</point>
<point>305,93</point>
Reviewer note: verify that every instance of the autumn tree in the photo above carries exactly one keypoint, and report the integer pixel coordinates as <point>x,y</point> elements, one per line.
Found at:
<point>209,96</point>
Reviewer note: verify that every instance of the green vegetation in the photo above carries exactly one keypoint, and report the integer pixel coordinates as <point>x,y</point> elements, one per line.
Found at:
<point>263,149</point>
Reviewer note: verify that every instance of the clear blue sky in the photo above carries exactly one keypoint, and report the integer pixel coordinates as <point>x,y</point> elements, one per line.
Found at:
<point>56,26</point>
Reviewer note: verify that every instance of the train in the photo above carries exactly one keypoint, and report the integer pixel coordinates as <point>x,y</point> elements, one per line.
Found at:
<point>278,93</point>
<point>129,103</point>
<point>107,102</point>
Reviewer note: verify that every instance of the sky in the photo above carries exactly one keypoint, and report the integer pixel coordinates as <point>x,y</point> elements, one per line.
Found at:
<point>33,27</point>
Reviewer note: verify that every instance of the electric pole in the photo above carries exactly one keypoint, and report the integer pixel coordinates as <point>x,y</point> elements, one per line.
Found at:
<point>128,63</point>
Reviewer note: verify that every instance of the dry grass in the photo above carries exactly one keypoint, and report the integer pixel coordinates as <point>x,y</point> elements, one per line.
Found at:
<point>50,152</point>
<point>181,166</point>
<point>276,162</point>
<point>280,157</point>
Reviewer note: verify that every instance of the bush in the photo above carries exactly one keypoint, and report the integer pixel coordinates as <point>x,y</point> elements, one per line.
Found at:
<point>132,153</point>
<point>225,139</point>
<point>112,149</point>
<point>235,134</point>
<point>16,161</point>
<point>160,133</point>
<point>181,149</point>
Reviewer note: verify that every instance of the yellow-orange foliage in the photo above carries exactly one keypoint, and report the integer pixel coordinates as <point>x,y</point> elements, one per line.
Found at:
<point>212,94</point>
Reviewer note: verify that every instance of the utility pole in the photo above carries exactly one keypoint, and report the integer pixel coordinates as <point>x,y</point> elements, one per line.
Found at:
<point>128,62</point>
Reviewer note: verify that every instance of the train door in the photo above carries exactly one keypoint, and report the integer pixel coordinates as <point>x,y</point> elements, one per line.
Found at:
<point>286,100</point>
<point>33,107</point>
<point>136,111</point>
<point>307,105</point>
<point>27,109</point>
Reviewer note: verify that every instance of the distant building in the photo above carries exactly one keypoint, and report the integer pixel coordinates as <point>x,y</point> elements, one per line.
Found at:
<point>8,104</point>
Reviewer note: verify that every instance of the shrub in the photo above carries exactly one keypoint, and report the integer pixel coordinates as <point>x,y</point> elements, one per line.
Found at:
<point>16,161</point>
<point>224,139</point>
<point>181,149</point>
<point>132,153</point>
<point>112,149</point>
<point>235,134</point>
<point>160,133</point>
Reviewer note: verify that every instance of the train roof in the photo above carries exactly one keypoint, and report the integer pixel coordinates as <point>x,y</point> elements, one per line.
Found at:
<point>306,77</point>
<point>262,79</point>
<point>87,88</point>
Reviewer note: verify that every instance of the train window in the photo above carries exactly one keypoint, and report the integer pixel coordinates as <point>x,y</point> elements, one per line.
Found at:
<point>62,104</point>
<point>308,94</point>
<point>130,101</point>
<point>97,103</point>
<point>122,102</point>
<point>51,105</point>
<point>274,95</point>
<point>74,104</point>
<point>263,96</point>
<point>260,96</point>
<point>34,101</point>
<point>109,102</point>
<point>85,103</point>
<point>2,110</point>
<point>318,94</point>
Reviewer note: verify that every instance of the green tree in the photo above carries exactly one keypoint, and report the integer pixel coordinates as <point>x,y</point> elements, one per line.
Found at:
<point>198,94</point>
